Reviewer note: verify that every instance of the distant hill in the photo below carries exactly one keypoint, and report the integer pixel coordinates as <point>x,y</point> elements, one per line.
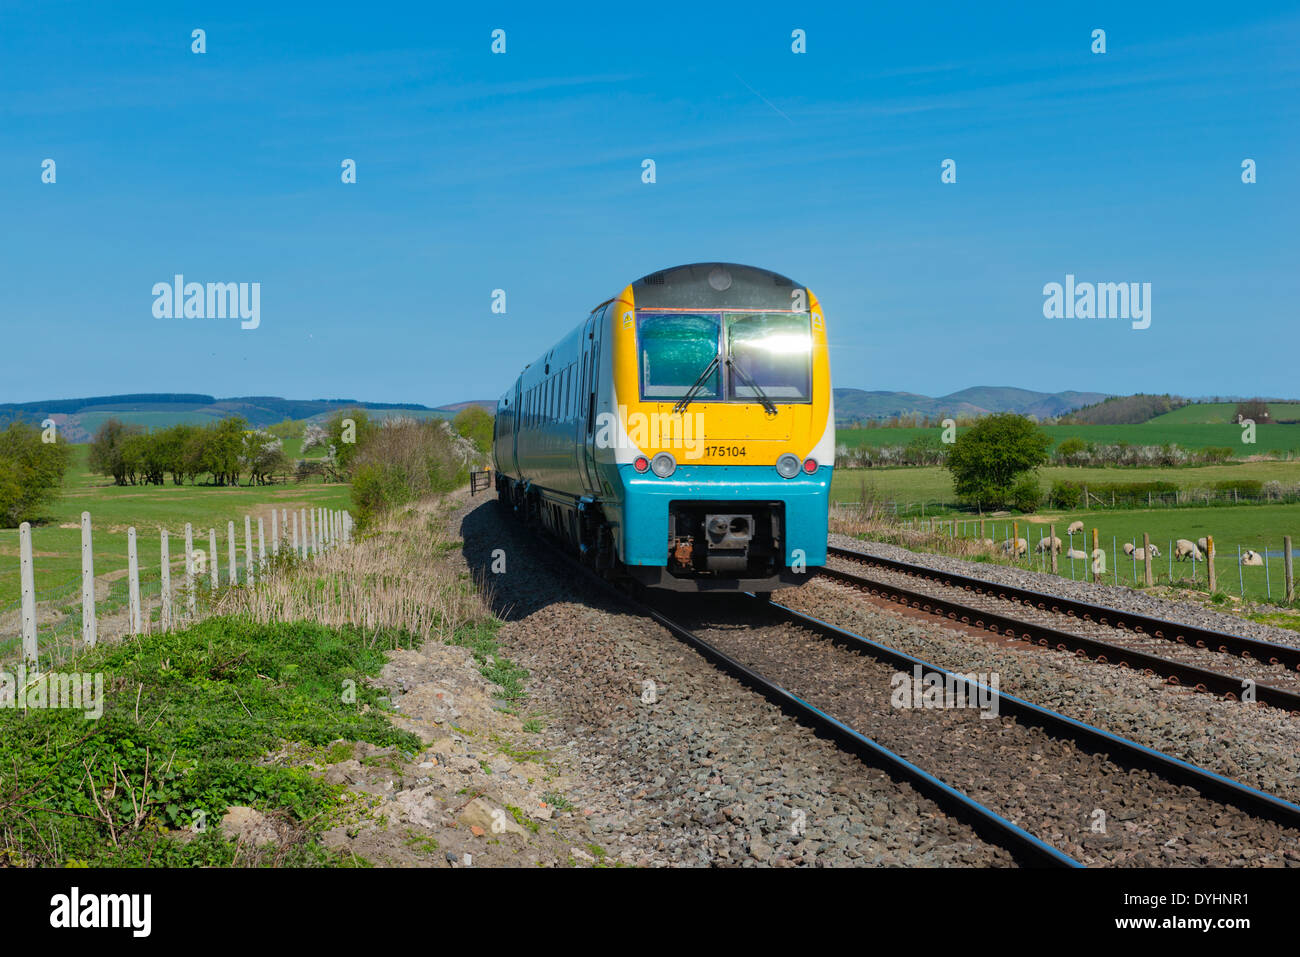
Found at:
<point>78,419</point>
<point>855,405</point>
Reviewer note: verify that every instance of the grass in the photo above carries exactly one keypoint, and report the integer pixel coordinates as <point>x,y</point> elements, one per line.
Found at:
<point>188,717</point>
<point>1220,413</point>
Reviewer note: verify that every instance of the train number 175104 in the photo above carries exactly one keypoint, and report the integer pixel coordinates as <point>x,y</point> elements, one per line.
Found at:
<point>724,451</point>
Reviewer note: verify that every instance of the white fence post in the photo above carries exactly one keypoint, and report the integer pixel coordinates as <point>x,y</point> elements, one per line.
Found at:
<point>261,544</point>
<point>275,534</point>
<point>212,551</point>
<point>249,578</point>
<point>166,584</point>
<point>133,581</point>
<point>87,583</point>
<point>294,540</point>
<point>28,587</point>
<point>231,553</point>
<point>189,570</point>
<point>315,548</point>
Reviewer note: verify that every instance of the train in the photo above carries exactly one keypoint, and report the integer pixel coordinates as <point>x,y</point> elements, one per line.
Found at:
<point>682,435</point>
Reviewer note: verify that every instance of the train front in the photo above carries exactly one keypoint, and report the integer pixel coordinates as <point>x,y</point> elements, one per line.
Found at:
<point>721,377</point>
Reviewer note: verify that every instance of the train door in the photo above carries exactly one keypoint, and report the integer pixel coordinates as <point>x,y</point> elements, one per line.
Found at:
<point>587,420</point>
<point>514,432</point>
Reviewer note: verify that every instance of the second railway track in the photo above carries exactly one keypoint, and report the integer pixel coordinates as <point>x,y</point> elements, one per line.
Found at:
<point>1180,653</point>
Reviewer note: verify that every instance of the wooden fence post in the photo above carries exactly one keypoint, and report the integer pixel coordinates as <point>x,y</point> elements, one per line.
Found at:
<point>1209,563</point>
<point>166,584</point>
<point>1015,541</point>
<point>212,552</point>
<point>249,576</point>
<point>231,554</point>
<point>275,534</point>
<point>1146,550</point>
<point>1092,556</point>
<point>1051,545</point>
<point>1287,566</point>
<point>133,581</point>
<point>189,569</point>
<point>28,587</point>
<point>87,584</point>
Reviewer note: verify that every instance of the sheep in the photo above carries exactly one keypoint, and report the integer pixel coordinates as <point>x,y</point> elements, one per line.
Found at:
<point>1249,557</point>
<point>1045,543</point>
<point>1129,548</point>
<point>1183,550</point>
<point>1202,545</point>
<point>1074,527</point>
<point>1075,554</point>
<point>1140,554</point>
<point>1021,547</point>
<point>1155,552</point>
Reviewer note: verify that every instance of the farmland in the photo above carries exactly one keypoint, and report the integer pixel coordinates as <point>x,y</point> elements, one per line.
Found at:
<point>1159,431</point>
<point>56,540</point>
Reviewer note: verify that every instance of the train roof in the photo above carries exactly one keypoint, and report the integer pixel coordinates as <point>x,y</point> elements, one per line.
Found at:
<point>714,285</point>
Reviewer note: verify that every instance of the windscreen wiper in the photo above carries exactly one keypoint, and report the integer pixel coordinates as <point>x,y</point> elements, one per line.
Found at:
<point>685,400</point>
<point>768,405</point>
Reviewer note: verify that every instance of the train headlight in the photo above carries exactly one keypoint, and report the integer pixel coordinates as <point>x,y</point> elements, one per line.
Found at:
<point>787,466</point>
<point>641,463</point>
<point>663,465</point>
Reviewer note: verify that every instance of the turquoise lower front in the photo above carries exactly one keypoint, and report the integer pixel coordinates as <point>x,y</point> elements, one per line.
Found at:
<point>642,515</point>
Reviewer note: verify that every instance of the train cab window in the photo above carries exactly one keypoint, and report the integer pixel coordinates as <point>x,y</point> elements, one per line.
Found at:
<point>675,348</point>
<point>770,350</point>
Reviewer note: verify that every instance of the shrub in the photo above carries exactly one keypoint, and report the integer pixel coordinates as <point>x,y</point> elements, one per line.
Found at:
<point>1026,493</point>
<point>403,460</point>
<point>1066,495</point>
<point>31,472</point>
<point>988,460</point>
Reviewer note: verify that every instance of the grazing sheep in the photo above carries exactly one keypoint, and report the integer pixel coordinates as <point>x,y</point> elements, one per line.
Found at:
<point>1249,557</point>
<point>1155,552</point>
<point>1129,548</point>
<point>1045,543</point>
<point>1074,527</point>
<point>1141,555</point>
<point>1183,550</point>
<point>1021,547</point>
<point>1075,553</point>
<point>1202,545</point>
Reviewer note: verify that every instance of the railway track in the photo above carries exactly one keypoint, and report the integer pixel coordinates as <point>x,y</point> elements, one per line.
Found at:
<point>1182,654</point>
<point>1059,772</point>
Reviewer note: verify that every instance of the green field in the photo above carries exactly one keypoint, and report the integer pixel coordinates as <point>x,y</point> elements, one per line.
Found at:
<point>149,508</point>
<point>933,484</point>
<point>91,421</point>
<point>1220,413</point>
<point>1187,435</point>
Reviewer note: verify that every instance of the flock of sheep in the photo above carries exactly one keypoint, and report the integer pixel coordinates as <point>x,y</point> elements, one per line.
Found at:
<point>1184,549</point>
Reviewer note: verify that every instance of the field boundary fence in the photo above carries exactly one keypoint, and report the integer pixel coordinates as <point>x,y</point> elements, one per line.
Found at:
<point>143,599</point>
<point>1262,571</point>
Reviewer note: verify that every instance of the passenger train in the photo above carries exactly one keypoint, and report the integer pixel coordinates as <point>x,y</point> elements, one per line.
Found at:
<point>683,434</point>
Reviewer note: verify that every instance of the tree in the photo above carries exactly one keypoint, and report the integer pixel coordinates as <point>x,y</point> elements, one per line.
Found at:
<point>988,459</point>
<point>1254,409</point>
<point>31,472</point>
<point>475,424</point>
<point>263,455</point>
<point>348,430</point>
<point>106,449</point>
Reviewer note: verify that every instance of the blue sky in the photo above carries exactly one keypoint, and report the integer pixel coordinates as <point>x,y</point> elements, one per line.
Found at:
<point>522,171</point>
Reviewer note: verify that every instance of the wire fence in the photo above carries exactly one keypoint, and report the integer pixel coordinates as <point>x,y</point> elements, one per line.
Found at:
<point>1085,554</point>
<point>54,623</point>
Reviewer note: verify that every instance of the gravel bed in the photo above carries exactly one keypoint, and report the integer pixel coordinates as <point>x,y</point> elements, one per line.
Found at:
<point>694,769</point>
<point>1275,675</point>
<point>1253,743</point>
<point>1127,599</point>
<point>1046,784</point>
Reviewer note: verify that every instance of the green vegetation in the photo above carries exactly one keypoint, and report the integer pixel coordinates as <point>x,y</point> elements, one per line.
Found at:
<point>223,450</point>
<point>31,472</point>
<point>1123,410</point>
<point>188,717</point>
<point>474,423</point>
<point>992,463</point>
<point>405,460</point>
<point>1224,413</point>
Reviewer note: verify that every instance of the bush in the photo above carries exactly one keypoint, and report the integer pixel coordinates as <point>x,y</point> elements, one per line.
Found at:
<point>1065,495</point>
<point>403,460</point>
<point>473,423</point>
<point>1026,495</point>
<point>31,472</point>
